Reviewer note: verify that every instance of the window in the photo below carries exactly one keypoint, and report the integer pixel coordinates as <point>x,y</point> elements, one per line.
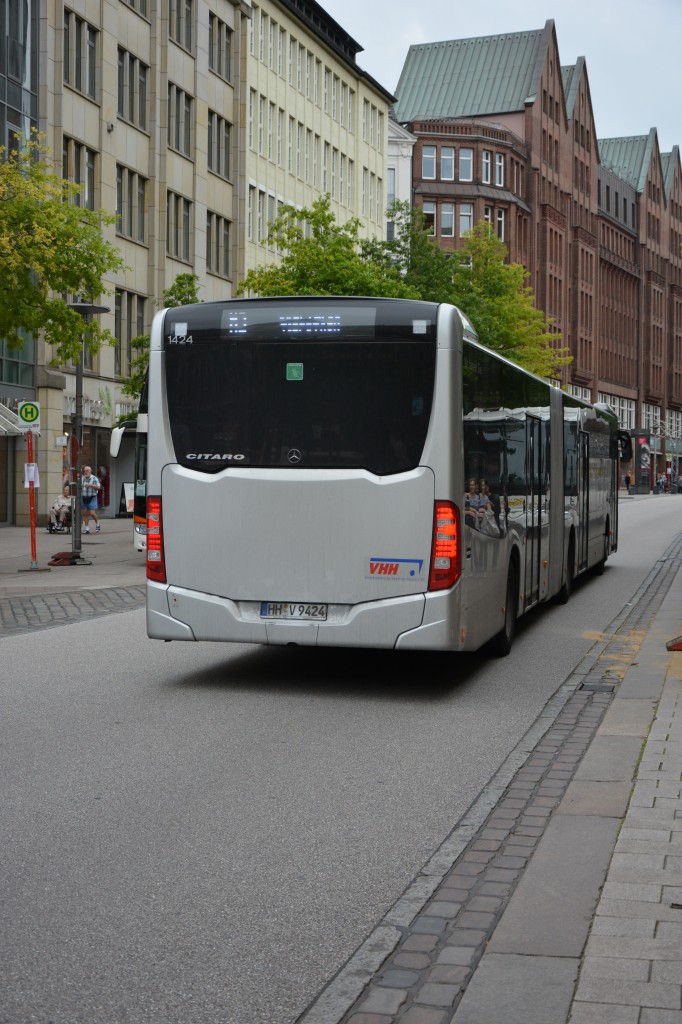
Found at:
<point>178,226</point>
<point>250,213</point>
<point>252,106</point>
<point>261,123</point>
<point>219,135</point>
<point>429,211</point>
<point>129,323</point>
<point>447,163</point>
<point>500,224</point>
<point>447,220</point>
<point>217,244</point>
<point>466,165</point>
<point>179,120</point>
<point>390,185</point>
<point>181,22</point>
<point>80,54</point>
<point>78,165</point>
<point>132,89</point>
<point>429,162</point>
<point>488,214</point>
<point>466,218</point>
<point>219,47</point>
<point>138,5</point>
<point>499,169</point>
<point>486,166</point>
<point>261,217</point>
<point>271,128</point>
<point>131,191</point>
<point>17,365</point>
<point>263,28</point>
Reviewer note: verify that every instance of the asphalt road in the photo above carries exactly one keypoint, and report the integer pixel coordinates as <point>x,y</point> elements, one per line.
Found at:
<point>204,834</point>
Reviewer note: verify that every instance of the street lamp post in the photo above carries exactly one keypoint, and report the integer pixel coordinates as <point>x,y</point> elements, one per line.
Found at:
<point>86,310</point>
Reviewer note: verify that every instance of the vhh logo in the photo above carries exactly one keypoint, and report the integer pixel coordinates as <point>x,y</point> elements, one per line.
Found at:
<point>384,568</point>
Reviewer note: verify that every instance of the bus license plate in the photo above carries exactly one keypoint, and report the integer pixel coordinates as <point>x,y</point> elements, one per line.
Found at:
<point>292,610</point>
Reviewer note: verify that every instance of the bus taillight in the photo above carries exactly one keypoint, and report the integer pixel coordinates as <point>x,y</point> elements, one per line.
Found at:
<point>445,551</point>
<point>156,565</point>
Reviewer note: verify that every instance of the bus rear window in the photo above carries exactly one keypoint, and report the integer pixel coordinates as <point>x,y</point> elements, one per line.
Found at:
<point>253,384</point>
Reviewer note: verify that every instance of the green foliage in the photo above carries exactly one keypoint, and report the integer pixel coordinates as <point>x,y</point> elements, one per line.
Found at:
<point>494,296</point>
<point>321,257</point>
<point>49,244</point>
<point>478,279</point>
<point>423,266</point>
<point>183,292</point>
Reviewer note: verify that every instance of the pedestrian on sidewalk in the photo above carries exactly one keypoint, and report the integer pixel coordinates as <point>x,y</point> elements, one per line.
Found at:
<point>627,482</point>
<point>90,487</point>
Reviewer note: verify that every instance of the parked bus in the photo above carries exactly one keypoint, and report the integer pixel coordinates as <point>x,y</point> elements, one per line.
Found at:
<point>308,460</point>
<point>138,428</point>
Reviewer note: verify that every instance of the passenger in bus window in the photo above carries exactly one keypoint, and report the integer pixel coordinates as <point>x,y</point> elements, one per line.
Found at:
<point>489,510</point>
<point>471,497</point>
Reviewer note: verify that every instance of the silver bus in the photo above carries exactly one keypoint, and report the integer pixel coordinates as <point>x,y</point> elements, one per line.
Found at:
<point>308,468</point>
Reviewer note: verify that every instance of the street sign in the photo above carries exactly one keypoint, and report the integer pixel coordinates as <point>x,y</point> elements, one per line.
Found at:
<point>29,415</point>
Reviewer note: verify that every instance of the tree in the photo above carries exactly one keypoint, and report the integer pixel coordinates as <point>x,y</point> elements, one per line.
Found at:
<point>50,246</point>
<point>494,296</point>
<point>321,257</point>
<point>421,263</point>
<point>478,279</point>
<point>183,292</point>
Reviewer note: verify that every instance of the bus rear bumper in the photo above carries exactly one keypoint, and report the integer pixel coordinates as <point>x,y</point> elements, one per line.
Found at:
<point>174,613</point>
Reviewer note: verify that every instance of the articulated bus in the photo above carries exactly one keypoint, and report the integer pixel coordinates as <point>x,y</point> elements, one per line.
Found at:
<point>307,470</point>
<point>138,427</point>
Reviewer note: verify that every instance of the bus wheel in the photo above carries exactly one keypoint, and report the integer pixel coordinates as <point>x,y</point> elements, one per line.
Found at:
<point>502,643</point>
<point>599,567</point>
<point>567,586</point>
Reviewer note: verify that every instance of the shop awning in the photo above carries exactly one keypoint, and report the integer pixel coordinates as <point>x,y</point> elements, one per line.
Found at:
<point>9,421</point>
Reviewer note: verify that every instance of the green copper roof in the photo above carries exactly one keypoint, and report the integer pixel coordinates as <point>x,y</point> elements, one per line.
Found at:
<point>486,75</point>
<point>630,157</point>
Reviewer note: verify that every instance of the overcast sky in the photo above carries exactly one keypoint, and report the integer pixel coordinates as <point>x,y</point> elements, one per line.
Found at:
<point>633,48</point>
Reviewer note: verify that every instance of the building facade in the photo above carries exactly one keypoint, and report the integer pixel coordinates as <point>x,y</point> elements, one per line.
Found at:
<point>192,122</point>
<point>596,223</point>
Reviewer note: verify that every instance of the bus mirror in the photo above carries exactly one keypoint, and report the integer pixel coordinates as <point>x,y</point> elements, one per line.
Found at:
<point>624,446</point>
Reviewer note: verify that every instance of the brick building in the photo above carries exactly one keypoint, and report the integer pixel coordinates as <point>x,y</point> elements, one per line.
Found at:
<point>507,135</point>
